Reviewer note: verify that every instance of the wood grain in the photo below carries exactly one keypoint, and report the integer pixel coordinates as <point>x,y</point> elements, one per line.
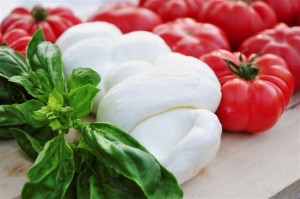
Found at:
<point>246,167</point>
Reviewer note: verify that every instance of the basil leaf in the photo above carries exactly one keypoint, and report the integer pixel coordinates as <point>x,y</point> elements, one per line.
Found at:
<point>98,181</point>
<point>4,92</point>
<point>52,172</point>
<point>37,38</point>
<point>81,99</point>
<point>10,115</point>
<point>83,76</point>
<point>30,146</point>
<point>49,57</point>
<point>31,88</point>
<point>82,184</point>
<point>167,186</point>
<point>128,161</point>
<point>12,63</point>
<point>28,108</point>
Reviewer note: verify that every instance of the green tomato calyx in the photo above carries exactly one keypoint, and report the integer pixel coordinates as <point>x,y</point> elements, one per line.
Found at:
<point>245,70</point>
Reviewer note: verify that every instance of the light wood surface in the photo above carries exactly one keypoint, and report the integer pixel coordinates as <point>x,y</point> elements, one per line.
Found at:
<point>246,167</point>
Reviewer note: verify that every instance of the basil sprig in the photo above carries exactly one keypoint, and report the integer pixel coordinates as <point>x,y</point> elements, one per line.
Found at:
<point>39,105</point>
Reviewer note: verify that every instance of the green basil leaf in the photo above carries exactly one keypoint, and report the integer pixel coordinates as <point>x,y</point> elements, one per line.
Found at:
<point>27,143</point>
<point>12,63</point>
<point>4,92</point>
<point>55,99</point>
<point>133,163</point>
<point>52,172</point>
<point>98,181</point>
<point>31,88</point>
<point>167,186</point>
<point>81,99</point>
<point>10,115</point>
<point>28,108</point>
<point>42,76</point>
<point>83,76</point>
<point>82,184</point>
<point>37,38</point>
<point>49,57</point>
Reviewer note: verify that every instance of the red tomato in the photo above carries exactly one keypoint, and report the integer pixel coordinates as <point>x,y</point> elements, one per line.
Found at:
<point>17,39</point>
<point>286,11</point>
<point>188,37</point>
<point>127,16</point>
<point>254,92</point>
<point>173,9</point>
<point>53,21</point>
<point>283,41</point>
<point>238,19</point>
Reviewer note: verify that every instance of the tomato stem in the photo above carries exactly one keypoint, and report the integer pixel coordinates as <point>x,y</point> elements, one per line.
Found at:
<point>244,70</point>
<point>39,13</point>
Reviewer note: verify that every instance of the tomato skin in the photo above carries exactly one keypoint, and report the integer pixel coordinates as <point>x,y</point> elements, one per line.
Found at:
<point>17,39</point>
<point>127,16</point>
<point>286,11</point>
<point>173,9</point>
<point>53,21</point>
<point>191,38</point>
<point>238,19</point>
<point>251,105</point>
<point>283,41</point>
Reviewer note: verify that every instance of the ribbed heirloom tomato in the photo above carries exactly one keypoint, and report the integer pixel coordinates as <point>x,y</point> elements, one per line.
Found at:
<point>238,19</point>
<point>53,21</point>
<point>283,41</point>
<point>127,16</point>
<point>17,39</point>
<point>173,9</point>
<point>191,38</point>
<point>286,11</point>
<point>255,91</point>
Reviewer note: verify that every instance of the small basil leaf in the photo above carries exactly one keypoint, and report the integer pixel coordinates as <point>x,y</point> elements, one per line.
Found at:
<point>28,108</point>
<point>37,38</point>
<point>52,172</point>
<point>27,143</point>
<point>81,100</point>
<point>49,56</point>
<point>83,76</point>
<point>133,163</point>
<point>55,99</point>
<point>12,63</point>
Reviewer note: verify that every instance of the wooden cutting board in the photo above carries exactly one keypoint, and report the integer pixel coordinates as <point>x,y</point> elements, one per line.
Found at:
<point>247,166</point>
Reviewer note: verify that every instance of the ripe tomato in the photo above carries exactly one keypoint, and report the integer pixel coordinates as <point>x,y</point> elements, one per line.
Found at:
<point>190,38</point>
<point>53,21</point>
<point>173,9</point>
<point>283,41</point>
<point>17,39</point>
<point>255,90</point>
<point>238,19</point>
<point>286,11</point>
<point>127,16</point>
